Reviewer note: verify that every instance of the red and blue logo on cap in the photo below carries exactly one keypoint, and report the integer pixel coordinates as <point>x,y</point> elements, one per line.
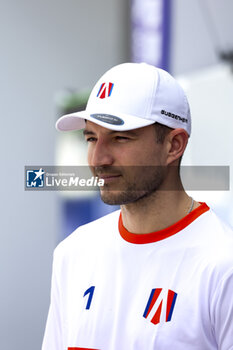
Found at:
<point>105,90</point>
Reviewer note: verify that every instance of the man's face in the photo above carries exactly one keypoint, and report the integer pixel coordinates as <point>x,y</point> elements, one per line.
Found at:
<point>130,162</point>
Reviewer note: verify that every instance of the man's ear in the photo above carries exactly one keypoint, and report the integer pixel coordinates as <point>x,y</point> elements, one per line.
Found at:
<point>177,141</point>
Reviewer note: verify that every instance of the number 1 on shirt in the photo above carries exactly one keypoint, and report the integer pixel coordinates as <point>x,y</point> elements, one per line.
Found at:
<point>89,291</point>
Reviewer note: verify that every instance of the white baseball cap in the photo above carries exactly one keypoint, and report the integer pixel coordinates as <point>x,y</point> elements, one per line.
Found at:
<point>131,96</point>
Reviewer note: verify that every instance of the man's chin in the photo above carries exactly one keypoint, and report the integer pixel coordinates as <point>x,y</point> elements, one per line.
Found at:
<point>110,197</point>
<point>121,197</point>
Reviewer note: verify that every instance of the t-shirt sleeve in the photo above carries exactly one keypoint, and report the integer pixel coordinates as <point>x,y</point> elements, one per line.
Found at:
<point>222,312</point>
<point>53,337</point>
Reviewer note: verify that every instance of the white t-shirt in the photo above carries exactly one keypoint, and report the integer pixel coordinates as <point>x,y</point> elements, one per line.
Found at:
<point>171,289</point>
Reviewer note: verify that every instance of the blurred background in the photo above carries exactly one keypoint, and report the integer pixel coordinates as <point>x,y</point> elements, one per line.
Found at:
<point>52,53</point>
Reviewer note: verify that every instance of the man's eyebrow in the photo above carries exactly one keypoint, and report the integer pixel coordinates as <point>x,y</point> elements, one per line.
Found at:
<point>128,132</point>
<point>88,132</point>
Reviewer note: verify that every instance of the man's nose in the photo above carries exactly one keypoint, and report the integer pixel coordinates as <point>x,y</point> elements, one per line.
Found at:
<point>100,155</point>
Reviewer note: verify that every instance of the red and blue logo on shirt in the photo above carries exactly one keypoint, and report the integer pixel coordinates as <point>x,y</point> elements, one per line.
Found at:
<point>170,304</point>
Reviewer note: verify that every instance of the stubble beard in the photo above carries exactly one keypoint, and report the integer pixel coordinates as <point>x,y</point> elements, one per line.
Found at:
<point>142,185</point>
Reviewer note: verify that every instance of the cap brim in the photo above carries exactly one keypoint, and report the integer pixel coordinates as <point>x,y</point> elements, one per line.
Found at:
<point>122,122</point>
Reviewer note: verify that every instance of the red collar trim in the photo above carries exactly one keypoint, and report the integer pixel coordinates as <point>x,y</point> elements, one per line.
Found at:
<point>162,234</point>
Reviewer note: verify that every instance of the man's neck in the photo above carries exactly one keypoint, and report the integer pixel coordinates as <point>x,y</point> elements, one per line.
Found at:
<point>157,211</point>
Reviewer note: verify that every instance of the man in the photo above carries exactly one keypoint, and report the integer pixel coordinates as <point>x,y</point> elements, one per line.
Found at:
<point>158,274</point>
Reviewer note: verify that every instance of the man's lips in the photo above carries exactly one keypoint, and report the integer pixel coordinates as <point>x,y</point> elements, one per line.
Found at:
<point>108,177</point>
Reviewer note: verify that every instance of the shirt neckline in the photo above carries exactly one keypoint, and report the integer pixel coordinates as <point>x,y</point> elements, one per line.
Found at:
<point>162,234</point>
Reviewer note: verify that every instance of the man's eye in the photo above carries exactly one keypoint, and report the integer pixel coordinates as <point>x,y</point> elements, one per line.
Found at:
<point>122,138</point>
<point>90,139</point>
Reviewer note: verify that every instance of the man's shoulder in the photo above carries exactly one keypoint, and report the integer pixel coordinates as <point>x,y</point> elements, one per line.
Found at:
<point>218,240</point>
<point>219,227</point>
<point>90,233</point>
<point>210,222</point>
